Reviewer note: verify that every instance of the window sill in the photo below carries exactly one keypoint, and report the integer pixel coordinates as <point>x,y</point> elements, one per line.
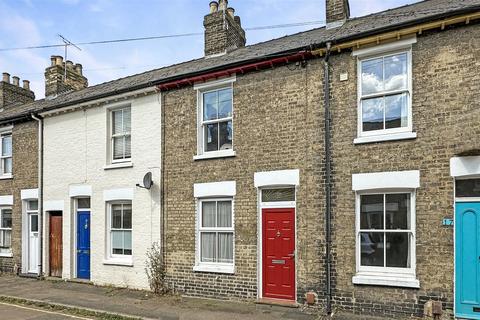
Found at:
<point>6,255</point>
<point>118,262</point>
<point>118,165</point>
<point>386,137</point>
<point>215,155</point>
<point>215,269</point>
<point>6,176</point>
<point>388,280</point>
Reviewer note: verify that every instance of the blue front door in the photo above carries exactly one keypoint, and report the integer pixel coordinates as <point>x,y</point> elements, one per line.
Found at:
<point>467,260</point>
<point>83,245</point>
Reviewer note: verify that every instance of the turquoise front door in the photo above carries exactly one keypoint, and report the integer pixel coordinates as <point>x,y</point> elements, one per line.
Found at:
<point>467,260</point>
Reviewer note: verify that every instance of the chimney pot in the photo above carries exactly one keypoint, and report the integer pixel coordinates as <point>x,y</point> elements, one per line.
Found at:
<point>26,84</point>
<point>69,64</point>
<point>6,77</point>
<point>79,68</point>
<point>59,60</point>
<point>16,81</point>
<point>231,12</point>
<point>213,6</point>
<point>53,59</point>
<point>223,5</point>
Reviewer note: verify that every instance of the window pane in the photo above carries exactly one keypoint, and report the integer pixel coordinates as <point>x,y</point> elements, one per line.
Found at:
<point>6,218</point>
<point>225,103</point>
<point>208,244</point>
<point>7,145</point>
<point>208,214</point>
<point>275,195</point>
<point>225,247</point>
<point>32,205</point>
<point>371,212</point>
<point>33,223</point>
<point>211,137</point>
<point>396,72</point>
<point>210,106</point>
<point>7,165</point>
<point>127,242</point>
<point>467,188</point>
<point>396,111</point>
<point>224,219</point>
<point>117,216</point>
<point>225,135</point>
<point>83,203</point>
<point>5,239</point>
<point>371,249</point>
<point>117,121</point>
<point>372,114</point>
<point>128,147</point>
<point>117,242</point>
<point>118,144</point>
<point>397,250</point>
<point>127,216</point>
<point>126,120</point>
<point>398,211</point>
<point>372,76</point>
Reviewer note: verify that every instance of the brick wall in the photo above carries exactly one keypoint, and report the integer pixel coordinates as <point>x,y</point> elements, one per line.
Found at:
<point>276,119</point>
<point>25,173</point>
<point>11,94</point>
<point>222,33</point>
<point>446,86</point>
<point>337,10</point>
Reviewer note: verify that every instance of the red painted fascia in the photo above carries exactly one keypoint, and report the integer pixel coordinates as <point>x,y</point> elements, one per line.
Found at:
<point>270,63</point>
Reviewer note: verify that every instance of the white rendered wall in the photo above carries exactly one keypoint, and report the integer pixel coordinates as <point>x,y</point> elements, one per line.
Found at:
<point>75,153</point>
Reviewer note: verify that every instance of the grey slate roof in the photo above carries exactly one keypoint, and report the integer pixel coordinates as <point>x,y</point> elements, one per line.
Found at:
<point>354,28</point>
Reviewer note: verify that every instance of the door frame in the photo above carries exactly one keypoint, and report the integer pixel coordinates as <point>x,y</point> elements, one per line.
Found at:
<point>273,205</point>
<point>74,220</point>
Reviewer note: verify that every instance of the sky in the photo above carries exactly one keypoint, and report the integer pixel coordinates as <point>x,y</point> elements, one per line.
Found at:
<point>39,22</point>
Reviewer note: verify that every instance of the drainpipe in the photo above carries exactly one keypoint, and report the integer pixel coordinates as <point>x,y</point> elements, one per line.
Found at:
<point>40,190</point>
<point>162,183</point>
<point>328,178</point>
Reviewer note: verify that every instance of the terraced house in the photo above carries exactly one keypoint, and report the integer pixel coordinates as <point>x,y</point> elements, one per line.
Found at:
<point>336,167</point>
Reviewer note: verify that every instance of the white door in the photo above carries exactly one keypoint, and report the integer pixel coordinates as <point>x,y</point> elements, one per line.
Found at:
<point>33,243</point>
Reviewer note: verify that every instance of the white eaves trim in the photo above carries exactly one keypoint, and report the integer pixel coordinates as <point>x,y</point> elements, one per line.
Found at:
<point>6,200</point>
<point>382,48</point>
<point>277,178</point>
<point>54,205</point>
<point>214,83</point>
<point>29,194</point>
<point>215,189</point>
<point>118,194</point>
<point>386,180</point>
<point>80,191</point>
<point>465,166</point>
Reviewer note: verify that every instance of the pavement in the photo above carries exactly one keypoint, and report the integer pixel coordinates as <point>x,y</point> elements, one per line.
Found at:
<point>133,303</point>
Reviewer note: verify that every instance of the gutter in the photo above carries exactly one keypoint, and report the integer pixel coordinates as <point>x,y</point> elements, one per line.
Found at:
<point>40,191</point>
<point>328,178</point>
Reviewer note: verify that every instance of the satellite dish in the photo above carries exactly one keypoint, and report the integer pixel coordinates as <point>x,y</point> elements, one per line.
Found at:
<point>147,180</point>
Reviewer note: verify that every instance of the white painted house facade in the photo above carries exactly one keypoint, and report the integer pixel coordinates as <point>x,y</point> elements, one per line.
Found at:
<point>98,223</point>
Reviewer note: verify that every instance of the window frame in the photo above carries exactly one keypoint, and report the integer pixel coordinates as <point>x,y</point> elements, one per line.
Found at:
<point>386,271</point>
<point>112,136</point>
<point>110,254</point>
<point>3,134</point>
<point>218,267</point>
<point>385,93</point>
<point>203,89</point>
<point>8,250</point>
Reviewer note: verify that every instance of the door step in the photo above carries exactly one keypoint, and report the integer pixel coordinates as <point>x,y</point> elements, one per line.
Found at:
<point>278,302</point>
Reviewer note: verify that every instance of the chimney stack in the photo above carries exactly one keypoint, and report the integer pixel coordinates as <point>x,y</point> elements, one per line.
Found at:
<point>223,30</point>
<point>63,76</point>
<point>12,94</point>
<point>338,11</point>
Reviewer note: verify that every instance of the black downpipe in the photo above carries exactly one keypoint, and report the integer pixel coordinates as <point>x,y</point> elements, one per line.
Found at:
<point>328,178</point>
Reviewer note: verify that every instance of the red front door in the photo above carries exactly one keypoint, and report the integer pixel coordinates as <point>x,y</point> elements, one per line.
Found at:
<point>278,253</point>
